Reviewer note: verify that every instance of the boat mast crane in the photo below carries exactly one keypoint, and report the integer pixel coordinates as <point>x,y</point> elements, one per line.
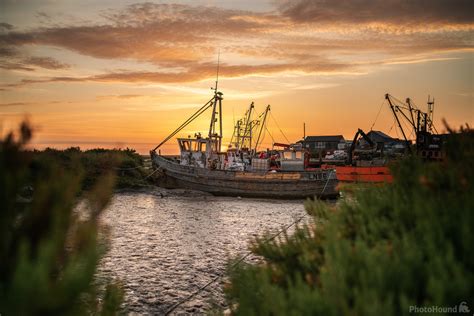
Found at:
<point>196,114</point>
<point>262,126</point>
<point>242,135</point>
<point>396,108</point>
<point>420,121</point>
<point>350,152</point>
<point>216,113</point>
<point>216,103</point>
<point>431,126</point>
<point>245,138</point>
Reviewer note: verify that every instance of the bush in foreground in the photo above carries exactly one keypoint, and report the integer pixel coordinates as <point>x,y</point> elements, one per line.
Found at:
<point>387,251</point>
<point>49,252</point>
<point>127,165</point>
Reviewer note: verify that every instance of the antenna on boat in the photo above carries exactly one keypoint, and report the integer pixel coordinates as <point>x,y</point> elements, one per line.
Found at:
<point>215,134</point>
<point>217,72</point>
<point>216,104</point>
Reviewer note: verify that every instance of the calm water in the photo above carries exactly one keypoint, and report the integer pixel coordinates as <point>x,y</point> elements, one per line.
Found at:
<point>165,248</point>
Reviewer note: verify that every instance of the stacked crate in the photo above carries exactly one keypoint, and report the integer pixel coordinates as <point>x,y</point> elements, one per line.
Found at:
<point>260,164</point>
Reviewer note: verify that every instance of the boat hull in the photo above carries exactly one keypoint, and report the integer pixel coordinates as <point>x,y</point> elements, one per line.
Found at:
<point>282,185</point>
<point>364,174</point>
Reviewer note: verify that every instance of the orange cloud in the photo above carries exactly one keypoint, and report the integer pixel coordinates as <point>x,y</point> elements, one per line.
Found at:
<point>196,72</point>
<point>384,11</point>
<point>303,36</point>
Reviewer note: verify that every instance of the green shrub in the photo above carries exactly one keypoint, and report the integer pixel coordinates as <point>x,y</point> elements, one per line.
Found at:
<point>127,165</point>
<point>49,251</point>
<point>378,253</point>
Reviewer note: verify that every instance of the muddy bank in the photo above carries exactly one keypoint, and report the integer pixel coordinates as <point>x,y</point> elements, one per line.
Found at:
<point>165,244</point>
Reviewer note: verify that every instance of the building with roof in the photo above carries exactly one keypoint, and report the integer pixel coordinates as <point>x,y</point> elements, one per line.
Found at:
<point>384,141</point>
<point>323,143</point>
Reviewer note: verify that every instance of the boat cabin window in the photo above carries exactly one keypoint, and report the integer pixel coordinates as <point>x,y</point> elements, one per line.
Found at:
<point>193,145</point>
<point>202,146</point>
<point>185,145</point>
<point>292,155</point>
<point>287,155</point>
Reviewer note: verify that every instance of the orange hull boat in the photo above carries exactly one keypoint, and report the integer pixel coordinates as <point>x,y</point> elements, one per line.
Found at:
<point>363,174</point>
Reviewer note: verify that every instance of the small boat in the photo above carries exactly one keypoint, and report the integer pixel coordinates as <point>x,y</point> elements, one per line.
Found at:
<point>238,171</point>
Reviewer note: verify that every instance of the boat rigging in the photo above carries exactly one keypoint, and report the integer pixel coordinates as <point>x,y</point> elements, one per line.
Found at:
<point>428,142</point>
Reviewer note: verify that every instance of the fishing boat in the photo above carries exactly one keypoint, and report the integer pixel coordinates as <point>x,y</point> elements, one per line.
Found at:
<point>368,167</point>
<point>370,164</point>
<point>239,171</point>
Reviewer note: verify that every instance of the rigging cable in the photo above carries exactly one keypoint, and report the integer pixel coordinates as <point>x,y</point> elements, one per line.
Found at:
<point>380,109</point>
<point>202,288</point>
<point>189,120</point>
<point>396,131</point>
<point>231,267</point>
<point>264,133</point>
<point>271,136</point>
<point>279,127</point>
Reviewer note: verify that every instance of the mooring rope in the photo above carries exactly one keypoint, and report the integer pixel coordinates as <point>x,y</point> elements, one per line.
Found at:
<point>202,288</point>
<point>327,181</point>
<point>131,168</point>
<point>157,169</point>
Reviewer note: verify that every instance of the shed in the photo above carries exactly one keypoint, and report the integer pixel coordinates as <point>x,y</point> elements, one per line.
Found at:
<point>323,143</point>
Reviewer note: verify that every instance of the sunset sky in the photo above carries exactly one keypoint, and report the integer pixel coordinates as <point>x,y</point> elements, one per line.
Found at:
<point>120,73</point>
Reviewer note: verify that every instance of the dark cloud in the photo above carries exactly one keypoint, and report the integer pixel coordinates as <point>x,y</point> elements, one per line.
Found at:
<point>5,26</point>
<point>382,11</point>
<point>154,32</point>
<point>14,104</point>
<point>12,60</point>
<point>14,66</point>
<point>43,15</point>
<point>8,52</point>
<point>45,62</point>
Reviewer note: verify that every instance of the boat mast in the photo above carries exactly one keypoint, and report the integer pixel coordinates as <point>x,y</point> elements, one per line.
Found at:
<point>216,111</point>
<point>431,126</point>
<point>394,109</point>
<point>262,126</point>
<point>247,135</point>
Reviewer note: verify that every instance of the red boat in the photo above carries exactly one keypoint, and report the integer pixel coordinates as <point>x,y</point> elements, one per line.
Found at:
<point>363,174</point>
<point>366,169</point>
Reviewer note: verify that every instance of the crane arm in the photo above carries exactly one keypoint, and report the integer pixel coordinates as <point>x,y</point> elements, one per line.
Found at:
<point>187,122</point>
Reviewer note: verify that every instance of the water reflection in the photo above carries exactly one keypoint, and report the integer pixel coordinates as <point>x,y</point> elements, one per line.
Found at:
<point>163,249</point>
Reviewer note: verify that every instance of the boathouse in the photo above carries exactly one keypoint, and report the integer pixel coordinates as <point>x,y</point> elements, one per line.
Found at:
<point>324,143</point>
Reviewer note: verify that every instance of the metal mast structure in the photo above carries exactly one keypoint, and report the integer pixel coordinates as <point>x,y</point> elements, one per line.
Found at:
<point>420,122</point>
<point>395,108</point>
<point>215,135</point>
<point>431,127</point>
<point>262,126</point>
<point>242,136</point>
